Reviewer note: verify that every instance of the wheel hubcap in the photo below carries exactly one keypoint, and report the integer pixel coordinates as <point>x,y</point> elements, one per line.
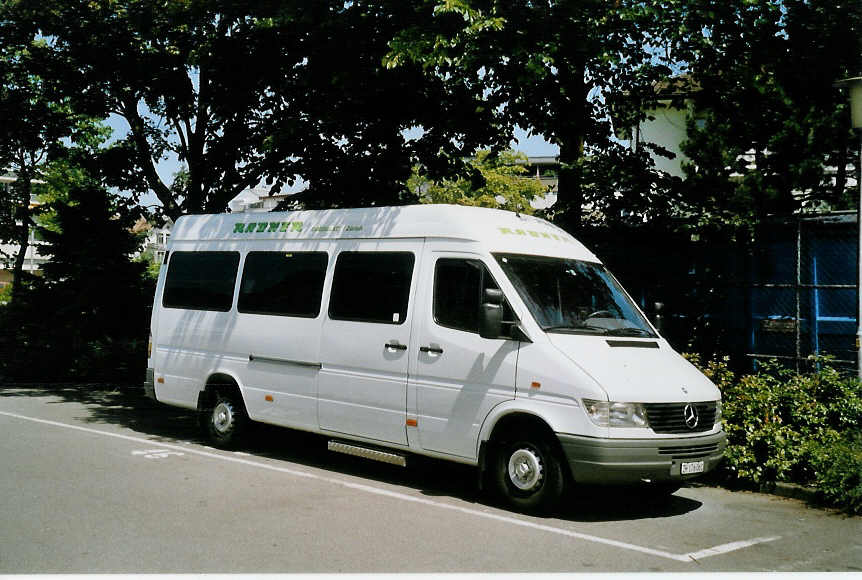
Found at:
<point>222,417</point>
<point>525,469</point>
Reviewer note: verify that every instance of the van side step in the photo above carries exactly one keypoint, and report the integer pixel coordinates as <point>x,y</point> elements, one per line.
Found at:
<point>367,452</point>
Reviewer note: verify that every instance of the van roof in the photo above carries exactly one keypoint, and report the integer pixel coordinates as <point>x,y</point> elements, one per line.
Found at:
<point>498,230</point>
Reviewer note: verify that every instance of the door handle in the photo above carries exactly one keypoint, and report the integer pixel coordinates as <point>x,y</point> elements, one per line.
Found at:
<point>431,349</point>
<point>396,346</point>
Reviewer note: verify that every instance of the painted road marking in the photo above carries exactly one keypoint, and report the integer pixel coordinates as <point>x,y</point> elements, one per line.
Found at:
<point>687,557</point>
<point>731,547</point>
<point>157,453</point>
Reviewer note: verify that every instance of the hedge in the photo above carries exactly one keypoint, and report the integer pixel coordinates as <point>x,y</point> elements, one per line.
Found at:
<point>784,426</point>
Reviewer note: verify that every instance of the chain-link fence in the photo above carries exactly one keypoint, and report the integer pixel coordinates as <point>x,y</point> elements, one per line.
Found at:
<point>787,294</point>
<point>803,289</point>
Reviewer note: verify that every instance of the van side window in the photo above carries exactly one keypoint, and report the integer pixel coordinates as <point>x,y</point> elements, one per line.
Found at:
<point>459,286</point>
<point>371,287</point>
<point>282,283</point>
<point>201,280</point>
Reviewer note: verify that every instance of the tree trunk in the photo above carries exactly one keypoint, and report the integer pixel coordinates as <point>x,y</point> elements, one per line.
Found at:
<point>572,119</point>
<point>23,223</point>
<point>570,197</point>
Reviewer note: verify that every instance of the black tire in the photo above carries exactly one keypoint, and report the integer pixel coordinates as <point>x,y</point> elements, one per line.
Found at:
<point>527,474</point>
<point>224,422</point>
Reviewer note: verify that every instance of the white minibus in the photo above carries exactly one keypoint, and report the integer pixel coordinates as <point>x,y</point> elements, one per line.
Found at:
<point>474,335</point>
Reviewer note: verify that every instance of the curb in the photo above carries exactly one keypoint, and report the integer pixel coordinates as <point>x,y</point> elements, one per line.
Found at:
<point>779,489</point>
<point>791,490</point>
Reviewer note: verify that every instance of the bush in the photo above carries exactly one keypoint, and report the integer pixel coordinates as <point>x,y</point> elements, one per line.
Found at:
<point>838,473</point>
<point>784,426</point>
<point>86,318</point>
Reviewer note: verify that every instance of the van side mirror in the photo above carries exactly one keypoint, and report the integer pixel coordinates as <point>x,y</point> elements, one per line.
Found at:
<point>491,314</point>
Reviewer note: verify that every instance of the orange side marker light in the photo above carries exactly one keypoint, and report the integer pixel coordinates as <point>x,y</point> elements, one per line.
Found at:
<point>268,398</point>
<point>412,423</point>
<point>535,385</point>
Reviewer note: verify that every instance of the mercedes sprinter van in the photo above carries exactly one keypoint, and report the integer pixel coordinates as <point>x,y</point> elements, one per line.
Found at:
<point>469,334</point>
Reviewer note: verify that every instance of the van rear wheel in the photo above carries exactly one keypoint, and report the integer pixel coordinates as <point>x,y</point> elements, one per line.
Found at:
<point>225,422</point>
<point>527,474</point>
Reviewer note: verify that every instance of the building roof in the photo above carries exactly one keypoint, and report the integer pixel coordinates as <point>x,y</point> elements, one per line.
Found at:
<point>678,86</point>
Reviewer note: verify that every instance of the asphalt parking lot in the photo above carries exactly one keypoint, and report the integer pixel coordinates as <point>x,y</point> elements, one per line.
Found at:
<point>101,481</point>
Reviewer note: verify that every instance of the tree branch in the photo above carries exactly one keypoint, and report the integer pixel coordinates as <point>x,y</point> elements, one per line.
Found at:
<point>144,155</point>
<point>197,140</point>
<point>184,148</point>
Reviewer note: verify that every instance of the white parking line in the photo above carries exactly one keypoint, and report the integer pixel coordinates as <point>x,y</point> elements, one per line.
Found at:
<point>688,557</point>
<point>731,547</point>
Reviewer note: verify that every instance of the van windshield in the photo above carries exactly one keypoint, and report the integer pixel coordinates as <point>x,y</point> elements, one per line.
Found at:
<point>573,296</point>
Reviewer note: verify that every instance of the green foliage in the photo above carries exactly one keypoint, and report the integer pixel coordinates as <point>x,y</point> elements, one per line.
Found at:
<point>767,133</point>
<point>86,318</point>
<point>771,135</point>
<point>39,136</point>
<point>788,427</point>
<point>248,93</point>
<point>260,92</point>
<point>148,259</point>
<point>565,70</point>
<point>503,184</point>
<point>838,469</point>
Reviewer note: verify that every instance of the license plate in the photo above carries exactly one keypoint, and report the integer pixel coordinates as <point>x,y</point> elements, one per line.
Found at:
<point>691,467</point>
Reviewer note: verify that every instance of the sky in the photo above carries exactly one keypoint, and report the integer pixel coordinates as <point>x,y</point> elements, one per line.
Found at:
<point>533,146</point>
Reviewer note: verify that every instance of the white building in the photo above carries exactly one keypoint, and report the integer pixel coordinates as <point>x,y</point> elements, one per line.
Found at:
<point>256,199</point>
<point>547,170</point>
<point>33,259</point>
<point>157,238</point>
<point>666,123</point>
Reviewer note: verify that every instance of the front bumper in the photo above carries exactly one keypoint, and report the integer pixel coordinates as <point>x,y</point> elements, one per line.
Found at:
<point>620,461</point>
<point>150,384</point>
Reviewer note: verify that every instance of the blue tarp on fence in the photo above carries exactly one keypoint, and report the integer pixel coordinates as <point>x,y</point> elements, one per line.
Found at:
<point>803,289</point>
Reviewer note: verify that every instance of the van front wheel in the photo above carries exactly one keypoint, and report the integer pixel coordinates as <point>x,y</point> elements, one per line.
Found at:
<point>224,423</point>
<point>527,475</point>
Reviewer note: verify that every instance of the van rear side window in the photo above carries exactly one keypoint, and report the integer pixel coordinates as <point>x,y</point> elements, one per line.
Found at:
<point>282,283</point>
<point>201,280</point>
<point>371,287</point>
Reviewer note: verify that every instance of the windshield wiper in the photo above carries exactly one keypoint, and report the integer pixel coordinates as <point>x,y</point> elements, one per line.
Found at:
<point>575,328</point>
<point>629,332</point>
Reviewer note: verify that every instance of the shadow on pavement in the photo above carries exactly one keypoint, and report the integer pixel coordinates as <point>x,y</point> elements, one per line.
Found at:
<point>129,408</point>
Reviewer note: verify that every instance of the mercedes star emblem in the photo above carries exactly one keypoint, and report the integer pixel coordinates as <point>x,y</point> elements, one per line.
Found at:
<point>689,415</point>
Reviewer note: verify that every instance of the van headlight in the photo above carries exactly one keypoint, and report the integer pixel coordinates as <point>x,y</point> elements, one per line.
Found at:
<point>614,414</point>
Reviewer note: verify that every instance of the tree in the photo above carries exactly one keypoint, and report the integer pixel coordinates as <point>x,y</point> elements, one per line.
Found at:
<point>561,68</point>
<point>503,184</point>
<point>354,149</point>
<point>244,93</point>
<point>176,72</point>
<point>31,136</point>
<point>88,309</point>
<point>772,135</point>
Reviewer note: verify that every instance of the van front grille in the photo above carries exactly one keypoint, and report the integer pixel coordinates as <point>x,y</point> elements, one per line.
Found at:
<point>689,451</point>
<point>671,417</point>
